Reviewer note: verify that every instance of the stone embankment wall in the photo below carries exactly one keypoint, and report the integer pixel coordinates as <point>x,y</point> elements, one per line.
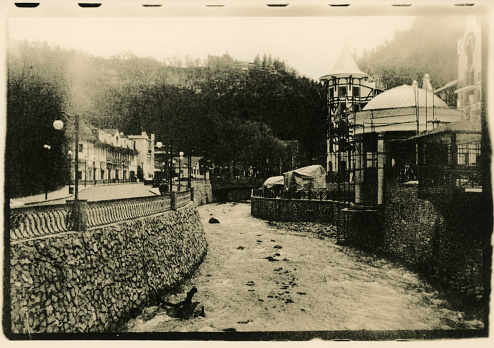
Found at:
<point>445,243</point>
<point>95,280</point>
<point>440,241</point>
<point>203,193</point>
<point>278,209</point>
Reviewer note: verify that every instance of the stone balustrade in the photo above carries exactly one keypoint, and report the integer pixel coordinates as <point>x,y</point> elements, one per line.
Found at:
<point>33,222</point>
<point>41,221</point>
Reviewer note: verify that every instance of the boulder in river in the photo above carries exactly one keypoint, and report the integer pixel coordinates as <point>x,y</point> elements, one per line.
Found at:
<point>213,221</point>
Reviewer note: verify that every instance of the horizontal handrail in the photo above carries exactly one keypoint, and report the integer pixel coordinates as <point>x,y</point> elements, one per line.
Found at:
<point>40,221</point>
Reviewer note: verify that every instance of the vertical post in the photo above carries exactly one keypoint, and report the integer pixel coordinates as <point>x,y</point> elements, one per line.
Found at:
<point>85,171</point>
<point>171,165</point>
<point>46,174</point>
<point>192,194</point>
<point>173,200</point>
<point>79,216</point>
<point>76,165</point>
<point>358,172</point>
<point>380,168</point>
<point>189,169</point>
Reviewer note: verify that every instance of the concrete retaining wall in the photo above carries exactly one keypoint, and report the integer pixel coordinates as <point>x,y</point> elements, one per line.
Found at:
<point>94,281</point>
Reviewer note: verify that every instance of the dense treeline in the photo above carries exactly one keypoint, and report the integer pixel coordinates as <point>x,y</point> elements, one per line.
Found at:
<point>36,93</point>
<point>241,116</point>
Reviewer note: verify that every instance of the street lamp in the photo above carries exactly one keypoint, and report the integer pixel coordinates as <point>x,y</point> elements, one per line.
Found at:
<point>123,171</point>
<point>70,174</point>
<point>180,168</point>
<point>172,169</point>
<point>189,170</point>
<point>94,171</point>
<point>47,147</point>
<point>58,125</point>
<point>159,145</point>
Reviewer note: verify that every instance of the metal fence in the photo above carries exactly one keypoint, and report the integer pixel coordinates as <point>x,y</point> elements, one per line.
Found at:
<point>40,221</point>
<point>321,195</point>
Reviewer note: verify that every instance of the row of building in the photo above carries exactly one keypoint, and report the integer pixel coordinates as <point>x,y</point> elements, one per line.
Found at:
<point>108,156</point>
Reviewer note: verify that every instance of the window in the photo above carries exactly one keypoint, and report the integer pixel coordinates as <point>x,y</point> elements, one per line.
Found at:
<point>342,91</point>
<point>81,147</point>
<point>356,91</point>
<point>468,154</point>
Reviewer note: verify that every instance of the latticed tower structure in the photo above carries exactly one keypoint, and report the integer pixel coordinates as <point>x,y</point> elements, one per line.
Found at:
<point>349,90</point>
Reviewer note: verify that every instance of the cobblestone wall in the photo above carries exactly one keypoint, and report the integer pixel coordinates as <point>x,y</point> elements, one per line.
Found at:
<point>93,281</point>
<point>203,193</point>
<point>294,210</point>
<point>443,243</point>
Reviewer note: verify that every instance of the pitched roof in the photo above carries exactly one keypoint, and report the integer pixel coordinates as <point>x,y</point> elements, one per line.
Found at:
<point>466,127</point>
<point>345,65</point>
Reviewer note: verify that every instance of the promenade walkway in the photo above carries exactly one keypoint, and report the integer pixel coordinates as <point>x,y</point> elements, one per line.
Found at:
<point>90,193</point>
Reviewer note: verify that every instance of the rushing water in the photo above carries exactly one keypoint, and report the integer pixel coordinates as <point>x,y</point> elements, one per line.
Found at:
<point>259,276</point>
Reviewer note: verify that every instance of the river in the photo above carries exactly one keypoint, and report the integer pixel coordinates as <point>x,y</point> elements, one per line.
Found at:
<point>261,276</point>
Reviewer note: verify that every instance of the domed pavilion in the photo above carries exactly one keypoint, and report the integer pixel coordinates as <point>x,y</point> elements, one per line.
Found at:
<point>381,129</point>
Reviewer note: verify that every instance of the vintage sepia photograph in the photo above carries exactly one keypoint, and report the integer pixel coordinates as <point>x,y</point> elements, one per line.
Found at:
<point>247,178</point>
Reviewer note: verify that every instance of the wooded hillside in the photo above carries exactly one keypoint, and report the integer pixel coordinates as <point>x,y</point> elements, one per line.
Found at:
<point>235,113</point>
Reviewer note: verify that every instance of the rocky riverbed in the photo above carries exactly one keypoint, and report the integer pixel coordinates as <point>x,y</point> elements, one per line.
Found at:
<point>261,276</point>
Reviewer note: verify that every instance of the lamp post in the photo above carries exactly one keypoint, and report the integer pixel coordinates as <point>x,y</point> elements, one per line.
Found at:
<point>70,174</point>
<point>189,170</point>
<point>181,156</point>
<point>94,171</point>
<point>123,171</point>
<point>85,172</point>
<point>58,125</point>
<point>171,171</point>
<point>171,164</point>
<point>47,147</point>
<point>159,145</point>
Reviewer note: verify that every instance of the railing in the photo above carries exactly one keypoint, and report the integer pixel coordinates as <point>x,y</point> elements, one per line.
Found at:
<point>40,221</point>
<point>321,195</point>
<point>32,222</point>
<point>440,179</point>
<point>182,199</point>
<point>108,212</point>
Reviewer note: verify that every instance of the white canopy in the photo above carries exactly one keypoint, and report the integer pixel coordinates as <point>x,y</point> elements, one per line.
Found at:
<point>274,181</point>
<point>306,178</point>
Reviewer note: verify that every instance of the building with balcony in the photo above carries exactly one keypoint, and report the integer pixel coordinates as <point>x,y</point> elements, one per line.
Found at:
<point>349,90</point>
<point>107,155</point>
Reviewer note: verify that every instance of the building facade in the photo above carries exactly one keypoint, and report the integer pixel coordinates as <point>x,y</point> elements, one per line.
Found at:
<point>107,155</point>
<point>348,91</point>
<point>144,144</point>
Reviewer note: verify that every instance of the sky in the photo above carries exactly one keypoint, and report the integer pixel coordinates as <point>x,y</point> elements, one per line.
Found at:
<point>308,44</point>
